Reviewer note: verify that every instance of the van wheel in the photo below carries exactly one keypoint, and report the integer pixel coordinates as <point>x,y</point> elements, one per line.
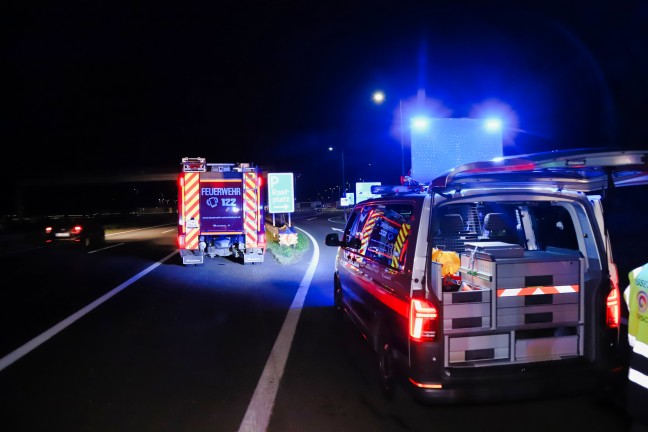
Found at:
<point>386,371</point>
<point>337,294</point>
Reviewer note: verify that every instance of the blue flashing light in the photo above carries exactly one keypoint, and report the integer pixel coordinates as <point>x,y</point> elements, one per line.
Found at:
<point>420,123</point>
<point>493,125</point>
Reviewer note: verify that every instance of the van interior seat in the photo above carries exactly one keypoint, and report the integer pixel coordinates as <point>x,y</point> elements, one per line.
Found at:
<point>451,223</point>
<point>451,227</point>
<point>498,230</point>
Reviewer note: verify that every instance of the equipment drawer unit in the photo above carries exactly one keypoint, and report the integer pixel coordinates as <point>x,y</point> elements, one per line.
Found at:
<point>478,349</point>
<point>538,288</point>
<point>541,289</point>
<point>464,310</point>
<point>477,263</point>
<point>548,348</point>
<point>496,348</point>
<point>477,272</point>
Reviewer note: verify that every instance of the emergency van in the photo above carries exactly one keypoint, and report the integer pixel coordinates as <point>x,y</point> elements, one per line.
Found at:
<point>493,281</point>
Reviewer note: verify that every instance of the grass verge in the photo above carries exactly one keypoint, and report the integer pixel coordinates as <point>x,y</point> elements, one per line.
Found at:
<point>286,254</point>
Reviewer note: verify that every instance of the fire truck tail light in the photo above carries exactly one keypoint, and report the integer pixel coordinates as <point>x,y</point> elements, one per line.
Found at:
<point>423,320</point>
<point>262,240</point>
<point>181,242</point>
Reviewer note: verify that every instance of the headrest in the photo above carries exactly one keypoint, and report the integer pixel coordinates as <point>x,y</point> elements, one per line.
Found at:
<point>494,222</point>
<point>451,223</point>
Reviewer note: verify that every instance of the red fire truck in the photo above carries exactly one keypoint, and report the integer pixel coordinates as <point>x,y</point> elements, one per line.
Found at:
<point>220,211</point>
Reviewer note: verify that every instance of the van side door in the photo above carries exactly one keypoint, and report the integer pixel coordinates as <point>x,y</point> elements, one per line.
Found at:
<point>382,295</point>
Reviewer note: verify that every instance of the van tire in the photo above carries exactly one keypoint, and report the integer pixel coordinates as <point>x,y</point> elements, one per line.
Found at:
<point>337,295</point>
<point>386,372</point>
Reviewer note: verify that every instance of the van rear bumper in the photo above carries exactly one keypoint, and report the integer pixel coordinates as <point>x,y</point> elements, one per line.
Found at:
<point>520,382</point>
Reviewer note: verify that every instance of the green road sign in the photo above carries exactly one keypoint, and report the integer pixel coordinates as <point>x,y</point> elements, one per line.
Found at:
<point>281,193</point>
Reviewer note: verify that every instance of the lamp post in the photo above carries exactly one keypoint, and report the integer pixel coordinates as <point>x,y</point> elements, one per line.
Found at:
<point>343,190</point>
<point>379,97</point>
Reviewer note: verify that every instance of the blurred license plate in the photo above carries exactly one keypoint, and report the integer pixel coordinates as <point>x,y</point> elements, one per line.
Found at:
<point>62,235</point>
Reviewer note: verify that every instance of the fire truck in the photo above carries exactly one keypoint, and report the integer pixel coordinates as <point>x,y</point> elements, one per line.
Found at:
<point>220,211</point>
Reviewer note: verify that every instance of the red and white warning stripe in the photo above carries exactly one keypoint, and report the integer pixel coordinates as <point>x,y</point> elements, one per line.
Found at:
<point>191,200</point>
<point>538,290</point>
<point>250,204</point>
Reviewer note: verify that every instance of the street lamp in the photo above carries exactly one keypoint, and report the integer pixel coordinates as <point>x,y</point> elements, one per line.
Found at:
<point>343,190</point>
<point>379,97</point>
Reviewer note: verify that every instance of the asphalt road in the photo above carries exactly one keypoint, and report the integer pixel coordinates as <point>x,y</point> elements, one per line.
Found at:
<point>125,338</point>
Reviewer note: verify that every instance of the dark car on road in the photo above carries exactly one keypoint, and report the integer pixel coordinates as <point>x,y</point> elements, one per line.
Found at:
<point>83,230</point>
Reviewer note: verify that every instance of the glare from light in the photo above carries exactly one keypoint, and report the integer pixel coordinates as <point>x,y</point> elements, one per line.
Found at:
<point>493,108</point>
<point>378,97</point>
<point>330,148</point>
<point>420,123</point>
<point>493,125</point>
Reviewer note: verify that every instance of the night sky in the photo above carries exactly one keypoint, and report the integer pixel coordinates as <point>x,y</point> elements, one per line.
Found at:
<point>104,86</point>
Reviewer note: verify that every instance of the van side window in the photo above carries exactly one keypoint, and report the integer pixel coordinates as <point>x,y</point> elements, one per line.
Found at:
<point>554,227</point>
<point>355,233</point>
<point>352,226</point>
<point>386,234</point>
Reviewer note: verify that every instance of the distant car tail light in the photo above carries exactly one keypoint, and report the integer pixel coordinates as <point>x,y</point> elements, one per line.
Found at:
<point>77,229</point>
<point>423,320</point>
<point>613,309</point>
<point>48,230</point>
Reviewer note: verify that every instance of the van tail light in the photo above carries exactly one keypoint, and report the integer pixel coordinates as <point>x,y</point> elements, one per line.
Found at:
<point>423,320</point>
<point>181,241</point>
<point>262,240</point>
<point>613,309</point>
<point>613,302</point>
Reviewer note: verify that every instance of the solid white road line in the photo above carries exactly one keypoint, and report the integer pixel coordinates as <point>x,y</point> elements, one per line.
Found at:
<point>53,331</point>
<point>257,416</point>
<point>107,247</point>
<point>137,229</point>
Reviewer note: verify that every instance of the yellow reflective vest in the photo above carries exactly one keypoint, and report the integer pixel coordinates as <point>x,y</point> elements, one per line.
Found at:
<point>636,297</point>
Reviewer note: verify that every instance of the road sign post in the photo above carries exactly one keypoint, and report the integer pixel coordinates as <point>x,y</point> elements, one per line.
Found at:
<point>281,193</point>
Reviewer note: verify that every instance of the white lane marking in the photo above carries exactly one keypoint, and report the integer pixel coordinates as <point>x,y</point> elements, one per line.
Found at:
<point>18,353</point>
<point>257,416</point>
<point>107,247</point>
<point>125,232</point>
<point>136,229</point>
<point>338,229</point>
<point>313,218</point>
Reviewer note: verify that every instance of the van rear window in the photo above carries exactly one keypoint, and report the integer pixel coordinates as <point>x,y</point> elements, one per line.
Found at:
<point>532,225</point>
